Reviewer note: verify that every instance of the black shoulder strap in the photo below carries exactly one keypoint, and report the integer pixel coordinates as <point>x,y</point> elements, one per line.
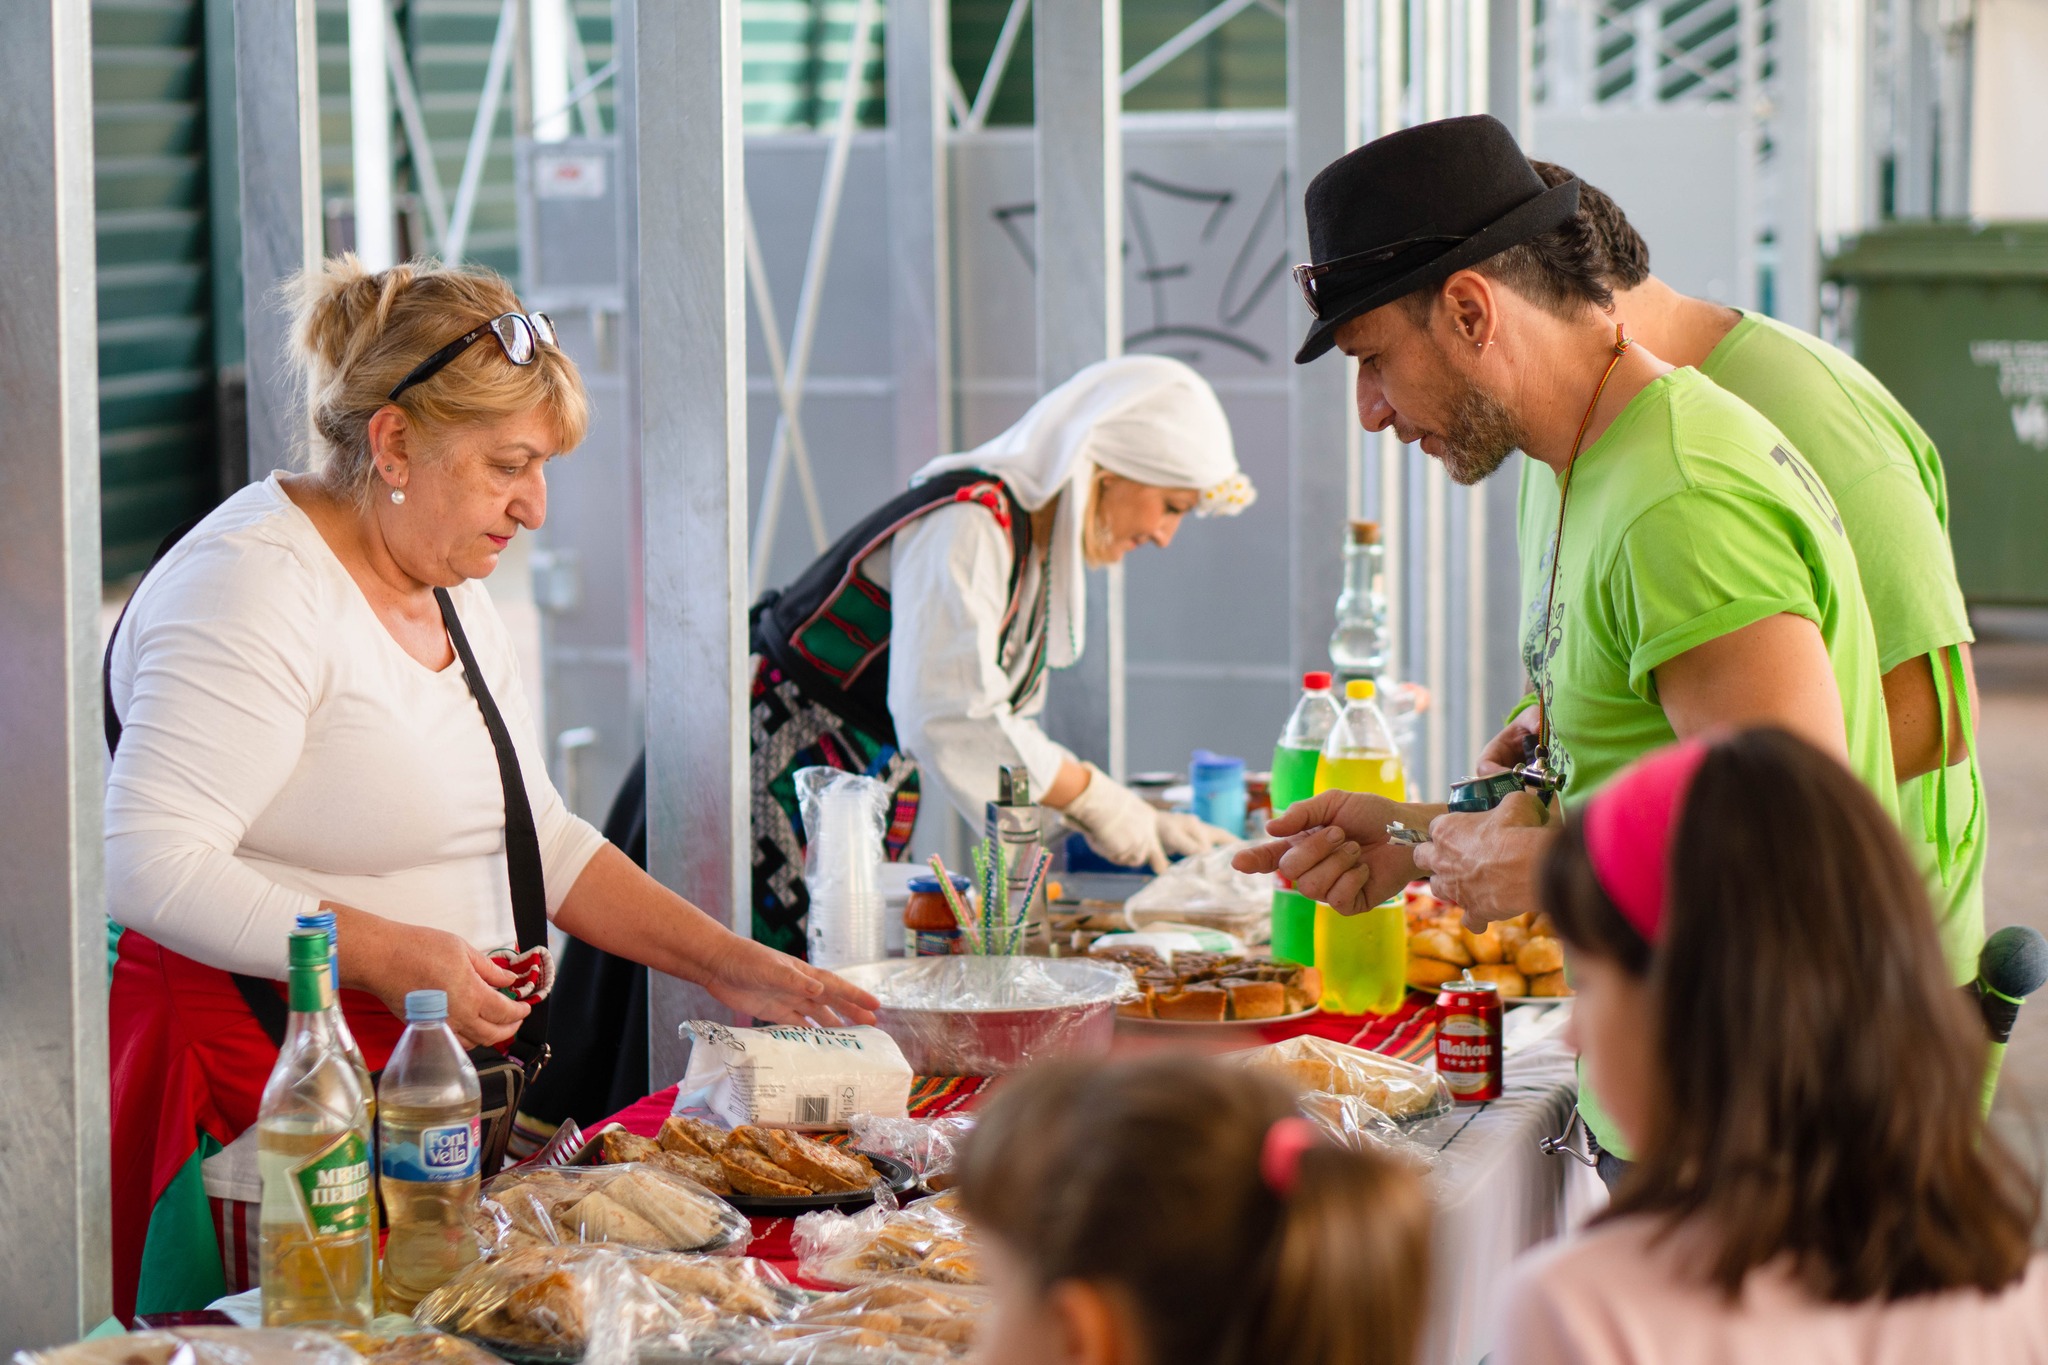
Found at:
<point>522,841</point>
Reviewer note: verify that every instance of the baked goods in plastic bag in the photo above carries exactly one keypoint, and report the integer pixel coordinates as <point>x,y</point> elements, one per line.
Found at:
<point>558,1302</point>
<point>790,1343</point>
<point>926,1240</point>
<point>946,1316</point>
<point>415,1346</point>
<point>1397,1089</point>
<point>200,1346</point>
<point>639,1206</point>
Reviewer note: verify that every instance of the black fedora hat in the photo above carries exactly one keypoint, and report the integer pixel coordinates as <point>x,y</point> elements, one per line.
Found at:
<point>1409,210</point>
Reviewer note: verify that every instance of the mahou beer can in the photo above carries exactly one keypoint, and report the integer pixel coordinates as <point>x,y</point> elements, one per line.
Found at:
<point>1468,1040</point>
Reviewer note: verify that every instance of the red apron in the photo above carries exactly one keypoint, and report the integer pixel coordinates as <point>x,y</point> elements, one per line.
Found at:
<point>186,1057</point>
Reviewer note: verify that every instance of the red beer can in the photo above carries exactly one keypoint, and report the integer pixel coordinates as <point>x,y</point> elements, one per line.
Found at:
<point>1468,1040</point>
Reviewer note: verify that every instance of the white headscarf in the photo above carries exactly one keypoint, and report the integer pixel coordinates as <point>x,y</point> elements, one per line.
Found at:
<point>1145,417</point>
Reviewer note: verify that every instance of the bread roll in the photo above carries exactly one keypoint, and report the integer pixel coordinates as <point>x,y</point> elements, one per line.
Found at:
<point>1542,926</point>
<point>1427,973</point>
<point>1439,945</point>
<point>1484,947</point>
<point>1539,955</point>
<point>1549,984</point>
<point>1513,985</point>
<point>1511,935</point>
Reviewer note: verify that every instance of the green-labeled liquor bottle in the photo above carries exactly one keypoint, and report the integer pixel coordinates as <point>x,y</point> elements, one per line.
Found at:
<point>313,1147</point>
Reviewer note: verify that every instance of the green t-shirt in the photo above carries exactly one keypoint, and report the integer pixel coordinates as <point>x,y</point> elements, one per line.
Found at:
<point>1691,517</point>
<point>1886,477</point>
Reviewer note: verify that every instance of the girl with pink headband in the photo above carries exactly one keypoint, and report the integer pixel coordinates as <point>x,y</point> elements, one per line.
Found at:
<point>1763,1006</point>
<point>1174,1210</point>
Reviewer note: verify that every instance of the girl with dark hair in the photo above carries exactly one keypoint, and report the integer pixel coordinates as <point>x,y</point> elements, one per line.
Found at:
<point>1174,1209</point>
<point>1763,1006</point>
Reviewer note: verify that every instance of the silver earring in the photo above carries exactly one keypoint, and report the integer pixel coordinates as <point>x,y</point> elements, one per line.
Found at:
<point>398,495</point>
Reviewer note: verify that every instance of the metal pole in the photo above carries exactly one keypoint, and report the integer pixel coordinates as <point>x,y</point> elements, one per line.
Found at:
<point>369,119</point>
<point>680,121</point>
<point>917,59</point>
<point>550,23</point>
<point>1389,455</point>
<point>278,119</point>
<point>54,1267</point>
<point>1797,136</point>
<point>1076,51</point>
<point>1324,72</point>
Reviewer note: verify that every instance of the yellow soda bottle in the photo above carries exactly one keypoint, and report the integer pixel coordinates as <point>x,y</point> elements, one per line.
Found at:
<point>1363,956</point>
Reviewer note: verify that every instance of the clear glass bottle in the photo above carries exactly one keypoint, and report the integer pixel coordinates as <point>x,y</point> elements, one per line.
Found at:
<point>318,1236</point>
<point>1294,779</point>
<point>1359,647</point>
<point>324,922</point>
<point>429,1133</point>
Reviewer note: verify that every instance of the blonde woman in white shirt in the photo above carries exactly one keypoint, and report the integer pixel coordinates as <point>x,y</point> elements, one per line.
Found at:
<point>296,733</point>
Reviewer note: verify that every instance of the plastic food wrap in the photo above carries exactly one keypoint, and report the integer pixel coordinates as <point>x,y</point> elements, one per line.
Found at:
<point>926,1240</point>
<point>1397,1089</point>
<point>800,1344</point>
<point>811,1079</point>
<point>566,1303</point>
<point>1349,1121</point>
<point>982,1016</point>
<point>634,1205</point>
<point>1208,892</point>
<point>928,1147</point>
<point>201,1346</point>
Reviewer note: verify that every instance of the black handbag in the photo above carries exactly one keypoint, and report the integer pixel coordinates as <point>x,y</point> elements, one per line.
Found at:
<point>502,1075</point>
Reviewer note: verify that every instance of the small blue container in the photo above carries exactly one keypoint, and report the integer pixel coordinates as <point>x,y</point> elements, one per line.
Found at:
<point>1219,791</point>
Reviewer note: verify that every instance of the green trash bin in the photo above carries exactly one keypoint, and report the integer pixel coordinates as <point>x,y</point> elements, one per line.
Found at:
<point>1953,317</point>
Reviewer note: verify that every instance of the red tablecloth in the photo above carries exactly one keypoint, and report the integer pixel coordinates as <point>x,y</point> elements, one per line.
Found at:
<point>1409,1034</point>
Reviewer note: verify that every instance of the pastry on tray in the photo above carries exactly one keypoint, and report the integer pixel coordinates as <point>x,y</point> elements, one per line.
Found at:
<point>752,1173</point>
<point>1215,988</point>
<point>825,1169</point>
<point>634,1205</point>
<point>761,1162</point>
<point>691,1137</point>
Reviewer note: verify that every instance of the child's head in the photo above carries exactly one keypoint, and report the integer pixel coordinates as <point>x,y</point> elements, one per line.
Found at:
<point>1765,1013</point>
<point>1151,1211</point>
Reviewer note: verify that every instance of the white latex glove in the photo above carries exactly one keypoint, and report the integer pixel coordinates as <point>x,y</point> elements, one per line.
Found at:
<point>1187,835</point>
<point>1117,822</point>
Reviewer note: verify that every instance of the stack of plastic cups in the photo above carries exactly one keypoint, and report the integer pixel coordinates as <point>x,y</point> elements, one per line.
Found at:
<point>848,916</point>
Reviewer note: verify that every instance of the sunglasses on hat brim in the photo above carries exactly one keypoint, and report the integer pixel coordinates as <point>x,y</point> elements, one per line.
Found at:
<point>520,336</point>
<point>1321,280</point>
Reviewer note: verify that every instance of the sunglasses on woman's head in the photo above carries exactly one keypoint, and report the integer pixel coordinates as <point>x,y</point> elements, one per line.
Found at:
<point>520,336</point>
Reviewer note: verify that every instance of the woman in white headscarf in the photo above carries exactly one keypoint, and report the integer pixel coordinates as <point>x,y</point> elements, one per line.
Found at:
<point>918,645</point>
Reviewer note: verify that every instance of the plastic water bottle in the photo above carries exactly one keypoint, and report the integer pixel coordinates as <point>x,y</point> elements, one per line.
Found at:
<point>318,1244</point>
<point>429,1130</point>
<point>1358,647</point>
<point>1362,957</point>
<point>1294,779</point>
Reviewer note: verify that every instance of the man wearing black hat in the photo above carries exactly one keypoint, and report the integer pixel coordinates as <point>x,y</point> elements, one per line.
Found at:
<point>1696,574</point>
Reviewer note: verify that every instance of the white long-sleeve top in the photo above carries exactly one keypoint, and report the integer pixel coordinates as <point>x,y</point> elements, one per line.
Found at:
<point>279,749</point>
<point>950,681</point>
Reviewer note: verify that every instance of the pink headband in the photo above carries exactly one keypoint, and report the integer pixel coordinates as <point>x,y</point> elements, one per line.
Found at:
<point>1280,1155</point>
<point>1628,832</point>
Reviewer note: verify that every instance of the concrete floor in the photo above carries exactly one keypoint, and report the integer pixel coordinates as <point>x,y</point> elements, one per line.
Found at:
<point>2012,672</point>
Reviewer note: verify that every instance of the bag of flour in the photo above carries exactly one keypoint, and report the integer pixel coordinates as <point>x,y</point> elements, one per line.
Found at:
<point>787,1077</point>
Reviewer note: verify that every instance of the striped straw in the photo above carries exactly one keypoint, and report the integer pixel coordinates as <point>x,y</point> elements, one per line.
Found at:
<point>1038,872</point>
<point>961,916</point>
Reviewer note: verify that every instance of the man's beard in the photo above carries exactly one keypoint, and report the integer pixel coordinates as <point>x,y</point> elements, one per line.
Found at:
<point>1478,435</point>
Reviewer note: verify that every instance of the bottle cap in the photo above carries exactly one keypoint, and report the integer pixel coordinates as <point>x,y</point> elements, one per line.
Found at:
<point>1208,765</point>
<point>1365,533</point>
<point>1360,689</point>
<point>928,885</point>
<point>426,1007</point>
<point>317,919</point>
<point>309,948</point>
<point>1317,681</point>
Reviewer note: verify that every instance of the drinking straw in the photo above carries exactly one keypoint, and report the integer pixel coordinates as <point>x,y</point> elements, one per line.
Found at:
<point>961,917</point>
<point>1038,872</point>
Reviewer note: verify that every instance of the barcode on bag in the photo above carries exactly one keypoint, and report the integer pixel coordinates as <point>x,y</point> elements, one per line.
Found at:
<point>814,1109</point>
